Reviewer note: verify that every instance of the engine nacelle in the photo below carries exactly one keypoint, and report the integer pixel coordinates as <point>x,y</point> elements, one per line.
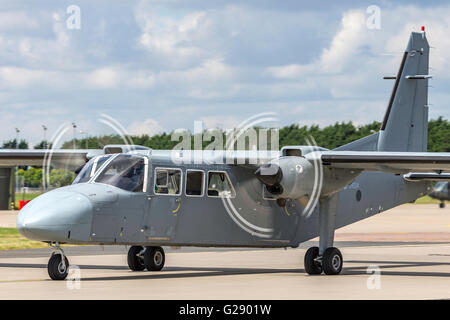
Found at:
<point>288,177</point>
<point>296,178</point>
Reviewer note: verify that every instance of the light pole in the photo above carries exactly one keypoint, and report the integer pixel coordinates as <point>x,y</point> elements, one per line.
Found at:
<point>74,126</point>
<point>17,138</point>
<point>45,136</point>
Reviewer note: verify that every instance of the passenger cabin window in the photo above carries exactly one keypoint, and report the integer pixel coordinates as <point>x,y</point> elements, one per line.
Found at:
<point>219,185</point>
<point>194,183</point>
<point>168,181</point>
<point>126,172</point>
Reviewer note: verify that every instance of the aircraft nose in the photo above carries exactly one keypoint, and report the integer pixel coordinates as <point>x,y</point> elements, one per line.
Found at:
<point>54,215</point>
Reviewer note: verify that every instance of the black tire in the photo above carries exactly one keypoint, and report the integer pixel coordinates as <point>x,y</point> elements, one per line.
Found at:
<point>135,263</point>
<point>55,268</point>
<point>154,258</point>
<point>332,261</point>
<point>311,266</point>
<point>442,205</point>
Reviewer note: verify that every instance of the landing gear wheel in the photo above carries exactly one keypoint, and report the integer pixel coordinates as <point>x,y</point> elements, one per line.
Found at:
<point>312,266</point>
<point>136,261</point>
<point>332,261</point>
<point>154,258</point>
<point>442,205</point>
<point>57,270</point>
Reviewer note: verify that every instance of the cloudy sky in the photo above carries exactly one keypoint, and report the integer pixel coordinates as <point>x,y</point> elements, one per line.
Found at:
<point>155,66</point>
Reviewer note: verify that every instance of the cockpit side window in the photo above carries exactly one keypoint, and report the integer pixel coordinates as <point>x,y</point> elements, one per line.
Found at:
<point>219,185</point>
<point>89,169</point>
<point>85,173</point>
<point>126,172</point>
<point>167,181</point>
<point>99,163</point>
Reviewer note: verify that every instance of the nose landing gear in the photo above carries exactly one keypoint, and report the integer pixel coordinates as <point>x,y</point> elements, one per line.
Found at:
<point>58,265</point>
<point>150,258</point>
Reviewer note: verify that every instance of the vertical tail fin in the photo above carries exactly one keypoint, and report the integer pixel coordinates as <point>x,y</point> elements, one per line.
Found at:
<point>405,124</point>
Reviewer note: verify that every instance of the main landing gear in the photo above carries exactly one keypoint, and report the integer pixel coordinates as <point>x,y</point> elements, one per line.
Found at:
<point>150,258</point>
<point>330,262</point>
<point>325,258</point>
<point>58,265</point>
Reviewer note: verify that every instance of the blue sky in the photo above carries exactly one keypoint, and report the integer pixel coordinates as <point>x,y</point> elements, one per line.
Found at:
<point>155,66</point>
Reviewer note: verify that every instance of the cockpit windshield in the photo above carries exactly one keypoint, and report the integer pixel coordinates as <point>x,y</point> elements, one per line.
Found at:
<point>126,172</point>
<point>89,169</point>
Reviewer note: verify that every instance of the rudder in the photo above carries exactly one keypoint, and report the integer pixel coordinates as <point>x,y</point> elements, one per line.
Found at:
<point>405,124</point>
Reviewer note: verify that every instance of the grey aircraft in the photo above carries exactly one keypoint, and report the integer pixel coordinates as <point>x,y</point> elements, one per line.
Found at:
<point>146,200</point>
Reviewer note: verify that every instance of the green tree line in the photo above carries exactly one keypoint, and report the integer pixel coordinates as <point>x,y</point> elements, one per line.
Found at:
<point>329,137</point>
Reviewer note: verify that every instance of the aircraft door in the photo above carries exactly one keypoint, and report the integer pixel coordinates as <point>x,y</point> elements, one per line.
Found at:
<point>119,216</point>
<point>133,221</point>
<point>165,203</point>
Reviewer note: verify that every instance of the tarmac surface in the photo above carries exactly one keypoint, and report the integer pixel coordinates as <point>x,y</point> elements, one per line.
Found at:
<point>403,253</point>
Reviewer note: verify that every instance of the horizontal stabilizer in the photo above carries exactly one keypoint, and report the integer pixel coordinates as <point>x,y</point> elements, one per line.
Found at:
<point>419,76</point>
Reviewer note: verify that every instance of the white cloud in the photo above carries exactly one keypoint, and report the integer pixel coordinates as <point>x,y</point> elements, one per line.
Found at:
<point>290,71</point>
<point>210,71</point>
<point>141,80</point>
<point>103,78</point>
<point>60,30</point>
<point>171,39</point>
<point>341,51</point>
<point>218,62</point>
<point>17,20</point>
<point>352,34</point>
<point>13,77</point>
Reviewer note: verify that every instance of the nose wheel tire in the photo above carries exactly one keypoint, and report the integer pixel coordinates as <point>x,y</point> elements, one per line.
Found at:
<point>135,258</point>
<point>332,261</point>
<point>312,266</point>
<point>57,270</point>
<point>154,258</point>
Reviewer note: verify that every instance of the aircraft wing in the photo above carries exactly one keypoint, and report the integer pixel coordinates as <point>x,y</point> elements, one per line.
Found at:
<point>427,176</point>
<point>394,162</point>
<point>57,158</point>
